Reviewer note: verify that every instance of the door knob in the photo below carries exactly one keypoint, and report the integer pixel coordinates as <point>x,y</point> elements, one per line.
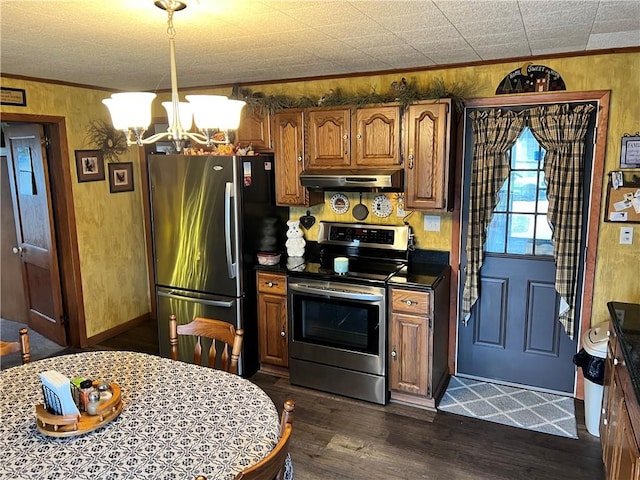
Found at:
<point>16,250</point>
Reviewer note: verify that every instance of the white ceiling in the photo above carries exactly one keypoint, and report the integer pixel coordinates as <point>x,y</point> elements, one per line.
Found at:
<point>123,44</point>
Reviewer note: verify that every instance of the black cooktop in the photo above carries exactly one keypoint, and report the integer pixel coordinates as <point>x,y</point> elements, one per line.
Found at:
<point>365,270</point>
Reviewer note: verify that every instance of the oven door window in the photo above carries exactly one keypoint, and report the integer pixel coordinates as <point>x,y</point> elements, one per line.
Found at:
<point>336,323</point>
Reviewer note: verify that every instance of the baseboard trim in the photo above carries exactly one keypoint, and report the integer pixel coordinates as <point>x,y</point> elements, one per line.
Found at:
<point>118,329</point>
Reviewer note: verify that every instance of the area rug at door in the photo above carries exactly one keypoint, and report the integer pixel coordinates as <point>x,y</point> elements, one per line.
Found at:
<point>517,407</point>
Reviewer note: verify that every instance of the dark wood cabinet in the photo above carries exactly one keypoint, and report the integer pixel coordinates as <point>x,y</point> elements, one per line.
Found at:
<point>354,138</point>
<point>428,156</point>
<point>329,138</point>
<point>272,322</point>
<point>620,419</point>
<point>288,133</point>
<point>254,130</point>
<point>418,342</point>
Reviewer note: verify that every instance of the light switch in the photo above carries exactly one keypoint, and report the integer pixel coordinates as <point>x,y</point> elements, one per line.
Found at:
<point>431,223</point>
<point>626,235</point>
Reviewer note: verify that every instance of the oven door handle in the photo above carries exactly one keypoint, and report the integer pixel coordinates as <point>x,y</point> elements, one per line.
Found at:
<point>331,292</point>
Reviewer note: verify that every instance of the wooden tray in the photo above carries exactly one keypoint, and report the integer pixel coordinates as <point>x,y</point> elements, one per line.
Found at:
<point>71,425</point>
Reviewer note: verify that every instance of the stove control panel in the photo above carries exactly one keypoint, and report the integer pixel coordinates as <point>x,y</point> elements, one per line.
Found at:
<point>363,235</point>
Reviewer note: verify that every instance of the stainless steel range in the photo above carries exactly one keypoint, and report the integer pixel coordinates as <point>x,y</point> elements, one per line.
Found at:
<point>338,321</point>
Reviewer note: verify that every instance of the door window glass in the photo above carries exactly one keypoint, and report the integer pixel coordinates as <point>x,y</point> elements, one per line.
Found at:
<point>519,225</point>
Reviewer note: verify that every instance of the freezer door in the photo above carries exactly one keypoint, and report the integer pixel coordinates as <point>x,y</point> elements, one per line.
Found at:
<point>194,209</point>
<point>185,306</point>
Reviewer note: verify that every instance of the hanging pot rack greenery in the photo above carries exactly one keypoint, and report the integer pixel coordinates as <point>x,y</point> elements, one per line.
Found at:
<point>403,91</point>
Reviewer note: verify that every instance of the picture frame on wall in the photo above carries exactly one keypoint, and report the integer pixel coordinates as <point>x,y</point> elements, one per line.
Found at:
<point>121,177</point>
<point>89,165</point>
<point>630,151</point>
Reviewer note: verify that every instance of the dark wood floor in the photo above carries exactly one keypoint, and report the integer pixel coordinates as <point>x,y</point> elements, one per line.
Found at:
<point>336,438</point>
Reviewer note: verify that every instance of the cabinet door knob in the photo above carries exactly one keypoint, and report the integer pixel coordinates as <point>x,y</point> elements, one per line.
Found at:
<point>299,158</point>
<point>359,136</point>
<point>605,421</point>
<point>271,284</point>
<point>410,302</point>
<point>394,354</point>
<point>16,250</point>
<point>345,137</point>
<point>282,333</point>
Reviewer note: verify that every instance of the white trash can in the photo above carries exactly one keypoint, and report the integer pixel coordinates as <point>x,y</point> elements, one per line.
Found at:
<point>594,342</point>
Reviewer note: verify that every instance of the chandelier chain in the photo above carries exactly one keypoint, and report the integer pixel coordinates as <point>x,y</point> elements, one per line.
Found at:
<point>171,31</point>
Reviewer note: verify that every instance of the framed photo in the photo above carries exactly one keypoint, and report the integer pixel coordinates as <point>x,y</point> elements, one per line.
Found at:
<point>90,165</point>
<point>630,152</point>
<point>121,177</point>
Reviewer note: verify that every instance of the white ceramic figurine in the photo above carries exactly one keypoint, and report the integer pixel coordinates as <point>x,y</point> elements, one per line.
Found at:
<point>295,239</point>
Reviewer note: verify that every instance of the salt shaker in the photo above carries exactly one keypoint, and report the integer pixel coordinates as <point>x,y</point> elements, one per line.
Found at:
<point>94,402</point>
<point>105,391</point>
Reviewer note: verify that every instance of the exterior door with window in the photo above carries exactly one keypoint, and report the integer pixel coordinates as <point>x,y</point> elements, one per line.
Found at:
<point>513,334</point>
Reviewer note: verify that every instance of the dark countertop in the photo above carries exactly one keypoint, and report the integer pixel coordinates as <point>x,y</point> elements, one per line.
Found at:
<point>626,322</point>
<point>420,276</point>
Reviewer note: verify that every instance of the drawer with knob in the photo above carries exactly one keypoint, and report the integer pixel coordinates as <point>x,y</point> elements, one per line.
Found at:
<point>410,301</point>
<point>272,283</point>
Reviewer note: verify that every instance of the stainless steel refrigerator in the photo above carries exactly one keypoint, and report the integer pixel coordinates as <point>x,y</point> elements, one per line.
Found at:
<point>210,216</point>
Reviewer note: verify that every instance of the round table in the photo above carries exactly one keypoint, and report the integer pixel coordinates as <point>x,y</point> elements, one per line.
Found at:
<point>178,421</point>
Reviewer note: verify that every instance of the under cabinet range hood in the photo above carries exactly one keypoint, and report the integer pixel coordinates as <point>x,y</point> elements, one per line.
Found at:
<point>353,180</point>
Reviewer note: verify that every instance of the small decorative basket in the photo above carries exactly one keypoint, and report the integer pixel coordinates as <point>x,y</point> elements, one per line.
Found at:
<point>71,425</point>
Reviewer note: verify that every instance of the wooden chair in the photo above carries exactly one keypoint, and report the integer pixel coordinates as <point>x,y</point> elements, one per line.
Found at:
<point>271,467</point>
<point>216,330</point>
<point>21,345</point>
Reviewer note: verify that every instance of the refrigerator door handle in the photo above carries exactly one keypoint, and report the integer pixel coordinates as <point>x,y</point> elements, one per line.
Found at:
<point>232,266</point>
<point>214,303</point>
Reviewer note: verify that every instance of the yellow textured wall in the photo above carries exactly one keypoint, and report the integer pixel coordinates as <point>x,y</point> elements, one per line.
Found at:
<point>110,226</point>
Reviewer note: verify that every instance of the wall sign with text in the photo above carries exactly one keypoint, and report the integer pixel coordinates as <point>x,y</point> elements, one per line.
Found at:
<point>531,78</point>
<point>630,151</point>
<point>13,96</point>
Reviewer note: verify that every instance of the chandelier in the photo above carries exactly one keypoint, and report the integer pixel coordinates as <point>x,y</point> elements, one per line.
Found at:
<point>131,111</point>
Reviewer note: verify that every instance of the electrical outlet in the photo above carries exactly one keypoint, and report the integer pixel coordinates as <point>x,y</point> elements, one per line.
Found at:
<point>431,223</point>
<point>626,235</point>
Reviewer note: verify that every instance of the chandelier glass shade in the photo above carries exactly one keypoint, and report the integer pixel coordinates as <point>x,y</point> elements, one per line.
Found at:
<point>131,111</point>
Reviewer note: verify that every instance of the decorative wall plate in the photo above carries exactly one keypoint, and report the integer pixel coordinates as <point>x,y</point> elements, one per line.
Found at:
<point>381,206</point>
<point>339,203</point>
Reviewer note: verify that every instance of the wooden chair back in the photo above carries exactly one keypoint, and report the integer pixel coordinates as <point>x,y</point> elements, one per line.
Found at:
<point>272,466</point>
<point>222,334</point>
<point>21,345</point>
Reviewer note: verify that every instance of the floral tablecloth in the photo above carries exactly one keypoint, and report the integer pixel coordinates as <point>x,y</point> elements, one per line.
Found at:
<point>178,421</point>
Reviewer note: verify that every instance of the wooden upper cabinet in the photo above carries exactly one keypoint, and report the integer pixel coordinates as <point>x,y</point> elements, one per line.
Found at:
<point>328,138</point>
<point>427,163</point>
<point>254,129</point>
<point>288,137</point>
<point>363,137</point>
<point>376,141</point>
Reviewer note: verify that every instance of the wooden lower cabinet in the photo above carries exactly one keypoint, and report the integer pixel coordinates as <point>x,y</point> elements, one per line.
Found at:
<point>418,341</point>
<point>620,413</point>
<point>272,322</point>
